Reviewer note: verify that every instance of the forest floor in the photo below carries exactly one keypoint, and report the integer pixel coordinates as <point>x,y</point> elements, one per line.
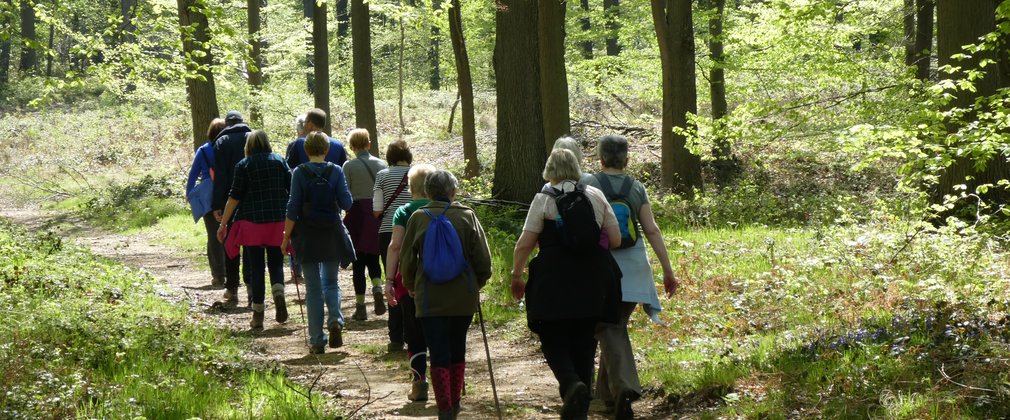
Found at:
<point>361,378</point>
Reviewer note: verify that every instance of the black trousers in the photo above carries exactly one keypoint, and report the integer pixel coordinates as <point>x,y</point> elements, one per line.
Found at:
<point>570,349</point>
<point>396,333</point>
<point>215,250</point>
<point>446,337</point>
<point>369,261</point>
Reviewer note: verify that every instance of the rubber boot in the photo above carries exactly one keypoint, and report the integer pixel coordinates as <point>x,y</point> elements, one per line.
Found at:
<point>458,372</point>
<point>442,386</point>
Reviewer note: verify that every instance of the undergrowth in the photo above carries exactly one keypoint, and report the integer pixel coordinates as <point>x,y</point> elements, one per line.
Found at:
<point>84,337</point>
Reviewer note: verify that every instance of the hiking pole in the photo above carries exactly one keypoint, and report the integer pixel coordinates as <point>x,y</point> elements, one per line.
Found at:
<point>487,351</point>
<point>301,310</point>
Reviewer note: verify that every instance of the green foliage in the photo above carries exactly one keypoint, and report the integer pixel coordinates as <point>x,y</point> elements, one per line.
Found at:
<point>84,337</point>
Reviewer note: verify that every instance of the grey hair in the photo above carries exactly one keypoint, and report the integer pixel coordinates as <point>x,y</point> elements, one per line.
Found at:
<point>300,124</point>
<point>562,166</point>
<point>613,151</point>
<point>569,144</point>
<point>440,185</point>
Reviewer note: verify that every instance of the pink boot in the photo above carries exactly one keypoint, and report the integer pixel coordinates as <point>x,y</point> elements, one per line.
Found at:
<point>441,384</point>
<point>458,371</point>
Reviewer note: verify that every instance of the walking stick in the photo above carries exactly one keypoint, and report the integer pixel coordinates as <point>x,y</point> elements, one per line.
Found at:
<point>487,351</point>
<point>301,310</point>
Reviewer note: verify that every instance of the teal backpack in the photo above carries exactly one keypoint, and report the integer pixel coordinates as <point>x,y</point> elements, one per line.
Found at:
<point>627,216</point>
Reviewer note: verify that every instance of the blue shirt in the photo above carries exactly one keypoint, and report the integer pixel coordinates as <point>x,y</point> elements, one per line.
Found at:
<point>300,181</point>
<point>202,163</point>
<point>296,153</point>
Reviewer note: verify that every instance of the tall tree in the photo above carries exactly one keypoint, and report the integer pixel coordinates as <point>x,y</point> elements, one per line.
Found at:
<point>49,52</point>
<point>128,28</point>
<point>553,74</point>
<point>29,53</point>
<point>199,78</point>
<point>923,37</point>
<point>725,165</point>
<point>5,44</point>
<point>321,62</point>
<point>520,153</point>
<point>255,66</point>
<point>343,19</point>
<point>960,23</point>
<point>587,25</point>
<point>435,81</point>
<point>681,169</point>
<point>612,11</point>
<point>464,83</point>
<point>908,26</point>
<point>364,89</point>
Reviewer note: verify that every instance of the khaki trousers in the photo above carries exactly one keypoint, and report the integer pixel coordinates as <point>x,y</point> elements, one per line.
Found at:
<point>617,360</point>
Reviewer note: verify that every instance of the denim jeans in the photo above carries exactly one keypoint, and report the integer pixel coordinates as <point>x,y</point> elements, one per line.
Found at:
<point>255,267</point>
<point>321,287</point>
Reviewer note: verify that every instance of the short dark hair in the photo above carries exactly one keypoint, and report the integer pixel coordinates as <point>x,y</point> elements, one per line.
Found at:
<point>216,126</point>
<point>613,150</point>
<point>257,142</point>
<point>398,151</point>
<point>317,117</point>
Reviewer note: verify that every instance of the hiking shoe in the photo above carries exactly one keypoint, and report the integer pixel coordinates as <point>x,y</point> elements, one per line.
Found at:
<point>257,320</point>
<point>418,391</point>
<point>230,298</point>
<point>360,313</point>
<point>622,410</point>
<point>336,337</point>
<point>576,403</point>
<point>281,308</point>
<point>317,349</point>
<point>217,283</point>
<point>380,305</point>
<point>394,346</point>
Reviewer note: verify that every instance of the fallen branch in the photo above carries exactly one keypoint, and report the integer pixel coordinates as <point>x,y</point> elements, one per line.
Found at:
<point>969,387</point>
<point>624,129</point>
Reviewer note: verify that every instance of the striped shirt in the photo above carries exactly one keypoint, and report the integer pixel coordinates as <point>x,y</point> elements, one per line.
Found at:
<point>386,183</point>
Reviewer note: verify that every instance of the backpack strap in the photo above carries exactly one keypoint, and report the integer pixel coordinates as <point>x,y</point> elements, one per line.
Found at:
<point>626,187</point>
<point>392,198</point>
<point>605,185</point>
<point>368,168</point>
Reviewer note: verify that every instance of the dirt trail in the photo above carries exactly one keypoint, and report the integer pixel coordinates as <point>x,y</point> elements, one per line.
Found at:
<point>361,377</point>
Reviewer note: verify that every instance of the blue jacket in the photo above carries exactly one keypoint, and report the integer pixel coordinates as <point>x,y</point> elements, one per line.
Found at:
<point>296,153</point>
<point>229,149</point>
<point>203,161</point>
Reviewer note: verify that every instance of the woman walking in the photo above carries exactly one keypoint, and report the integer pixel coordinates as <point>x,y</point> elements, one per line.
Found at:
<point>257,202</point>
<point>313,226</point>
<point>397,296</point>
<point>446,308</point>
<point>362,224</point>
<point>203,166</point>
<point>389,194</point>
<point>569,289</point>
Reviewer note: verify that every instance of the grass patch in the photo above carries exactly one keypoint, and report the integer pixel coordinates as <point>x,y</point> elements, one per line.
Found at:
<point>85,337</point>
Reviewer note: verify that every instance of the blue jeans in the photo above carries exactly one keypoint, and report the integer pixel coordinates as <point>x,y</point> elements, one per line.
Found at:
<point>321,286</point>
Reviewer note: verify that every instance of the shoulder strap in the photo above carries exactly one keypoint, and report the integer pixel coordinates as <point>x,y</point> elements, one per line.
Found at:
<point>626,186</point>
<point>368,168</point>
<point>605,185</point>
<point>550,191</point>
<point>206,160</point>
<point>392,198</point>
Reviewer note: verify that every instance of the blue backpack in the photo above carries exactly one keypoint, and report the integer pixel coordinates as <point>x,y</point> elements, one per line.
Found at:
<point>443,251</point>
<point>627,217</point>
<point>320,206</point>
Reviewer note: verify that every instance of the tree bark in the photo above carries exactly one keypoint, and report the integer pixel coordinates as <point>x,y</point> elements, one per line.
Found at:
<point>343,19</point>
<point>364,93</point>
<point>587,24</point>
<point>923,37</point>
<point>961,23</point>
<point>435,81</point>
<point>725,164</point>
<point>49,53</point>
<point>199,78</point>
<point>5,49</point>
<point>612,10</point>
<point>520,153</point>
<point>255,66</point>
<point>464,83</point>
<point>321,64</point>
<point>553,74</point>
<point>29,55</point>
<point>908,12</point>
<point>403,44</point>
<point>681,170</point>
<point>127,28</point>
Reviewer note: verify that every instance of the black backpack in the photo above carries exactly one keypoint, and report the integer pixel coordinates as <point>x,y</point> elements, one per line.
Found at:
<point>320,205</point>
<point>576,222</point>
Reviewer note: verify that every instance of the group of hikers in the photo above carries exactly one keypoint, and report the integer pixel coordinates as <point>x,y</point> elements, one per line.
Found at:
<point>401,221</point>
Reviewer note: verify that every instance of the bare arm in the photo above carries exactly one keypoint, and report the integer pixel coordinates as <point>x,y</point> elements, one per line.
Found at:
<point>393,262</point>
<point>655,237</point>
<point>524,247</point>
<point>289,226</point>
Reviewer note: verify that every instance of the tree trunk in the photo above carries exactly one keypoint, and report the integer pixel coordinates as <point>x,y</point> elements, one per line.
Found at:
<point>553,75</point>
<point>923,37</point>
<point>725,165</point>
<point>255,67</point>
<point>520,154</point>
<point>681,170</point>
<point>199,78</point>
<point>49,53</point>
<point>29,55</point>
<point>587,25</point>
<point>127,28</point>
<point>612,10</point>
<point>343,19</point>
<point>961,23</point>
<point>321,64</point>
<point>908,19</point>
<point>464,83</point>
<point>403,44</point>
<point>435,81</point>
<point>364,93</point>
